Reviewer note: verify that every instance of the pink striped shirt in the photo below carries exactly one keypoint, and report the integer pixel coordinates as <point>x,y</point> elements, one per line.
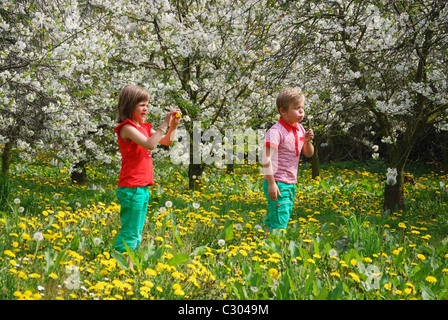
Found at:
<point>289,141</point>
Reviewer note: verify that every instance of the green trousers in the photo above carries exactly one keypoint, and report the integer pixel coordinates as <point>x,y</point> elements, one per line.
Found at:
<point>134,205</point>
<point>279,210</point>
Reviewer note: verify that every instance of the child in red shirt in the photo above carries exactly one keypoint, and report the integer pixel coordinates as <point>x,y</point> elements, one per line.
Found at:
<point>136,139</point>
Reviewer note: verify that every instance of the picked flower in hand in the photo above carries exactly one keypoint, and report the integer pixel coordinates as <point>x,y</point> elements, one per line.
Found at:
<point>309,120</point>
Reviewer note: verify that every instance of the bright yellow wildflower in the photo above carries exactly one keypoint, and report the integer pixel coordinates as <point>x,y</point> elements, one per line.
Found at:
<point>421,257</point>
<point>273,273</point>
<point>9,253</point>
<point>354,276</point>
<point>335,274</point>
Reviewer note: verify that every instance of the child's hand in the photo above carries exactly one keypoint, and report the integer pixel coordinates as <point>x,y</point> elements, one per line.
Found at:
<point>176,114</point>
<point>309,135</point>
<point>273,191</point>
<point>171,119</point>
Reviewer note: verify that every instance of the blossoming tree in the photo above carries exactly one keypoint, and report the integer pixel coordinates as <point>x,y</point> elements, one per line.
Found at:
<point>388,59</point>
<point>50,55</point>
<point>209,62</point>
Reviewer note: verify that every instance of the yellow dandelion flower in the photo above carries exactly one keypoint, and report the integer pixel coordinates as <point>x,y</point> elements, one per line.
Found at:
<point>431,279</point>
<point>354,276</point>
<point>179,292</point>
<point>421,257</point>
<point>176,286</point>
<point>9,253</point>
<point>273,273</point>
<point>335,274</point>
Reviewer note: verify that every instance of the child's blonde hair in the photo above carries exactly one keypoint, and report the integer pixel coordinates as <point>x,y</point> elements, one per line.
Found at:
<point>129,97</point>
<point>288,97</point>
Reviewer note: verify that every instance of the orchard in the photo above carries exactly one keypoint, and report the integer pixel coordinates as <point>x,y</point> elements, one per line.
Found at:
<point>369,220</point>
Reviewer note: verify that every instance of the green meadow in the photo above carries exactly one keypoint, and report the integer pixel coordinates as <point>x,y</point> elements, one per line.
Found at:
<point>56,237</point>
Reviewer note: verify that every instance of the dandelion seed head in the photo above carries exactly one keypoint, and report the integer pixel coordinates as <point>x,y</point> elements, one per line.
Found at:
<point>38,236</point>
<point>333,253</point>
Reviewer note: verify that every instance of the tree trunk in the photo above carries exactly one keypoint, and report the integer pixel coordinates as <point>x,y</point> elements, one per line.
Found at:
<point>445,156</point>
<point>6,158</point>
<point>194,172</point>
<point>79,174</point>
<point>230,167</point>
<point>394,194</point>
<point>315,165</point>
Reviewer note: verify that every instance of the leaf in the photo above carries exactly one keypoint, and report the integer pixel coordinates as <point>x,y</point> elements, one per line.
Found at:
<point>199,251</point>
<point>133,257</point>
<point>326,228</point>
<point>177,235</point>
<point>336,293</point>
<point>74,244</point>
<point>325,185</point>
<point>427,293</point>
<point>284,287</point>
<point>178,259</point>
<point>49,257</point>
<point>157,254</point>
<point>227,232</point>
<point>310,280</point>
<point>294,251</point>
<point>51,263</point>
<point>121,259</point>
<point>322,295</point>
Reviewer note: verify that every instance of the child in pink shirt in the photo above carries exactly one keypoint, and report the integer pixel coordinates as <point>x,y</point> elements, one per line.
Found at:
<point>284,142</point>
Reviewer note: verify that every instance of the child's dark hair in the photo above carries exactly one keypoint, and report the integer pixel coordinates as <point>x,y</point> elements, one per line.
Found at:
<point>129,97</point>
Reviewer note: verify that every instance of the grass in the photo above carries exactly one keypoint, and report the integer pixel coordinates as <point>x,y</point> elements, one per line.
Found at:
<point>56,238</point>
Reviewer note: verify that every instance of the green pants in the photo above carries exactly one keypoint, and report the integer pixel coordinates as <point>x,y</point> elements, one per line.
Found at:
<point>279,210</point>
<point>134,205</point>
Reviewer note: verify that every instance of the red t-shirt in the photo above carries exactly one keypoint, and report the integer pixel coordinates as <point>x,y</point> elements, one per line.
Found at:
<point>136,161</point>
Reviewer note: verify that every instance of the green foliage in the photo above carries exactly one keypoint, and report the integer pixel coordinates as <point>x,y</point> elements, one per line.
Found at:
<point>339,244</point>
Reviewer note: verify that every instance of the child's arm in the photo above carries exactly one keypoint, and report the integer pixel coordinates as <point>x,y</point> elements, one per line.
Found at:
<point>273,189</point>
<point>308,148</point>
<point>130,132</point>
